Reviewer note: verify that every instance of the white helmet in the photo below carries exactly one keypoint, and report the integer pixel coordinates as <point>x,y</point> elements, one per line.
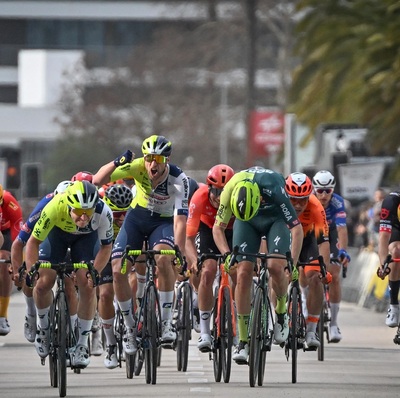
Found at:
<point>62,186</point>
<point>324,179</point>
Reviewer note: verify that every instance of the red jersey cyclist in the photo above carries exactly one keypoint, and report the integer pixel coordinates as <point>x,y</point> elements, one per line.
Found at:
<point>315,242</point>
<point>199,239</point>
<point>11,223</point>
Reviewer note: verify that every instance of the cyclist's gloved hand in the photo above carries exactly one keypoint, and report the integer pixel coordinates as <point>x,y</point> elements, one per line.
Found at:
<point>126,157</point>
<point>227,260</point>
<point>344,256</point>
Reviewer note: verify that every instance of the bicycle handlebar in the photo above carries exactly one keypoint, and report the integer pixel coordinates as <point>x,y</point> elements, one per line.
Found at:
<point>180,260</point>
<point>207,256</point>
<point>63,267</point>
<point>262,256</point>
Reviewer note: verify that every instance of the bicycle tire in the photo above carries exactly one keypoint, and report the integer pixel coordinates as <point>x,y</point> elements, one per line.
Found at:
<point>320,332</point>
<point>226,334</point>
<point>52,347</point>
<point>184,328</point>
<point>151,335</point>
<point>217,363</point>
<point>130,365</point>
<point>267,340</point>
<point>62,343</point>
<point>256,336</point>
<point>139,359</point>
<point>294,329</point>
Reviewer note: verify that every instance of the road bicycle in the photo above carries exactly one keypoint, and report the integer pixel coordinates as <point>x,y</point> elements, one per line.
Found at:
<point>297,321</point>
<point>183,319</point>
<point>62,332</point>
<point>261,323</point>
<point>382,272</point>
<point>149,330</point>
<point>223,326</point>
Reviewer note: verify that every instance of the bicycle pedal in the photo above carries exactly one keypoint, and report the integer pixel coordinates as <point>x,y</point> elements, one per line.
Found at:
<point>310,348</point>
<point>168,345</point>
<point>239,362</point>
<point>396,339</point>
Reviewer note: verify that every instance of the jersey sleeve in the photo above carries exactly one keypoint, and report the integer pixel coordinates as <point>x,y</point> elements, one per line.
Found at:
<point>181,194</point>
<point>106,229</point>
<point>195,212</point>
<point>12,215</point>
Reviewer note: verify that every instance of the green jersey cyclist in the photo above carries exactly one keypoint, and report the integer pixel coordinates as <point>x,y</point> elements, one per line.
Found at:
<point>257,198</point>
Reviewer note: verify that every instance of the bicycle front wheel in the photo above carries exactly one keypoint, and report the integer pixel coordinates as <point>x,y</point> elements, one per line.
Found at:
<point>62,344</point>
<point>320,331</point>
<point>226,333</point>
<point>256,336</point>
<point>294,327</point>
<point>150,326</point>
<point>216,353</point>
<point>183,328</point>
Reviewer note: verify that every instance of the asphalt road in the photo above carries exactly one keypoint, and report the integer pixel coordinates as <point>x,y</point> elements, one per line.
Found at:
<point>365,364</point>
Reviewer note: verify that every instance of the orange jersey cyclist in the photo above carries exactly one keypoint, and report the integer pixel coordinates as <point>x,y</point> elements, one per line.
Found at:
<point>257,198</point>
<point>158,214</point>
<point>79,221</point>
<point>316,241</point>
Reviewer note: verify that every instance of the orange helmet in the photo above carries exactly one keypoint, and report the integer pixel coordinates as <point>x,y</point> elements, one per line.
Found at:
<point>298,185</point>
<point>219,175</point>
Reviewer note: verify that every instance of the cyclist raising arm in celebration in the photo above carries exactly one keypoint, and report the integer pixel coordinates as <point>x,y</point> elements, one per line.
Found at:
<point>199,238</point>
<point>316,241</point>
<point>79,221</point>
<point>389,242</point>
<point>158,214</point>
<point>257,198</point>
<point>324,183</point>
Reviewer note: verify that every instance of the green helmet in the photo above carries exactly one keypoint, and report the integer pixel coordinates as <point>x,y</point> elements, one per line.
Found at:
<point>157,145</point>
<point>82,195</point>
<point>245,200</point>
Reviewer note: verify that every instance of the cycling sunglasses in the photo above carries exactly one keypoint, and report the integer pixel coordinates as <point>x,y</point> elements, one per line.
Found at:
<point>157,158</point>
<point>119,214</point>
<point>215,191</point>
<point>81,212</point>
<point>322,190</point>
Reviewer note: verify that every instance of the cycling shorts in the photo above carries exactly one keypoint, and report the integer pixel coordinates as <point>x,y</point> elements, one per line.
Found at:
<point>106,275</point>
<point>205,241</point>
<point>140,224</point>
<point>7,240</point>
<point>83,247</point>
<point>247,235</point>
<point>310,250</point>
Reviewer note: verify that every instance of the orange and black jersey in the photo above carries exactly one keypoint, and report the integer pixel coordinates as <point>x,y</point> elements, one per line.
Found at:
<point>313,220</point>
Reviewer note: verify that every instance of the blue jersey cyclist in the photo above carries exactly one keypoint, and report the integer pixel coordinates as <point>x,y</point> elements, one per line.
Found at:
<point>324,183</point>
<point>158,215</point>
<point>76,220</point>
<point>258,199</point>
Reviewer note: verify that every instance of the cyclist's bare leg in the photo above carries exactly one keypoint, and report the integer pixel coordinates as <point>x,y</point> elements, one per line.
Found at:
<point>43,295</point>
<point>335,292</point>
<point>279,282</point>
<point>72,297</point>
<point>5,284</point>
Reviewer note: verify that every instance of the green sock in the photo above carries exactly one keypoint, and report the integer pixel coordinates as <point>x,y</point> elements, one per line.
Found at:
<point>281,304</point>
<point>243,323</point>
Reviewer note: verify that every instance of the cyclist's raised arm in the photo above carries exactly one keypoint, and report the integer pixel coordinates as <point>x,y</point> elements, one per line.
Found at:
<point>104,173</point>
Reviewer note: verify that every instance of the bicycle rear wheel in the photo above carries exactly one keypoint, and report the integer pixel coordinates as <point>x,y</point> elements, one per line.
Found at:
<point>150,331</point>
<point>184,328</point>
<point>52,347</point>
<point>320,332</point>
<point>225,346</point>
<point>62,344</point>
<point>294,318</point>
<point>217,362</point>
<point>256,336</point>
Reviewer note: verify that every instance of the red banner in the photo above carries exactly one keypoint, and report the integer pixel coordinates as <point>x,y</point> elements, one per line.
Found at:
<point>266,133</point>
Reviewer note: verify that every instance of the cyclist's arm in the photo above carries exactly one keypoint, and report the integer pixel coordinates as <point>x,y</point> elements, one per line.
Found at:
<point>103,174</point>
<point>102,257</point>
<point>383,245</point>
<point>297,241</point>
<point>180,231</point>
<point>17,257</point>
<point>32,251</point>
<point>325,251</point>
<point>220,239</point>
<point>191,252</point>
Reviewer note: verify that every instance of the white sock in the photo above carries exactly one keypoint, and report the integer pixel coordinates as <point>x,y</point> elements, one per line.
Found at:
<point>166,301</point>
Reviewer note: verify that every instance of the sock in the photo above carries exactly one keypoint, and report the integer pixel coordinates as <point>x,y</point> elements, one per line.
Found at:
<point>126,309</point>
<point>43,317</point>
<point>30,306</point>
<point>84,327</point>
<point>281,304</point>
<point>394,292</point>
<point>108,327</point>
<point>4,301</point>
<point>334,313</point>
<point>312,321</point>
<point>141,282</point>
<point>205,322</point>
<point>243,323</point>
<point>166,301</point>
